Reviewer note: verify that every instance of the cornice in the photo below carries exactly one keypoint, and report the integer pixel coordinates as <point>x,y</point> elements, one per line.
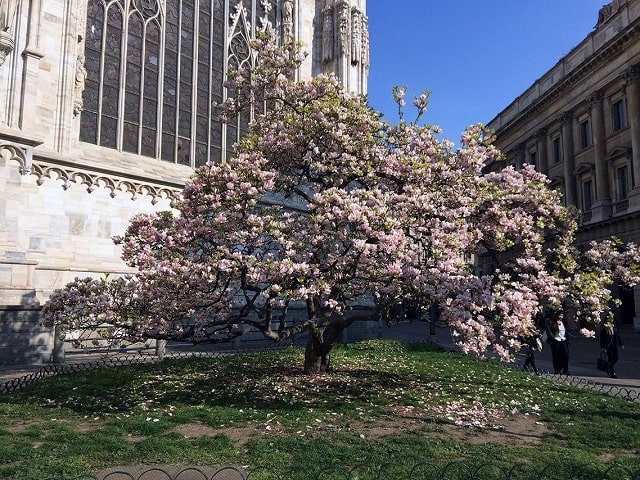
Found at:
<point>617,220</point>
<point>601,57</point>
<point>68,173</point>
<point>94,179</point>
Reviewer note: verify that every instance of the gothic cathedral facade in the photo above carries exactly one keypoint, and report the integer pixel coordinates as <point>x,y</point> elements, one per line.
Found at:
<point>106,107</point>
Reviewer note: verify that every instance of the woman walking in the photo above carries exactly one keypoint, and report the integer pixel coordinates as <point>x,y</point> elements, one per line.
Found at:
<point>557,338</point>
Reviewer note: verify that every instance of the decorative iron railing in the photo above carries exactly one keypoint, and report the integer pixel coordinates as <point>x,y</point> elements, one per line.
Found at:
<point>459,470</point>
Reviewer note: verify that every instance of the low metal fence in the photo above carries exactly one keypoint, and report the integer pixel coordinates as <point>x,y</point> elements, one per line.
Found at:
<point>117,360</point>
<point>458,470</point>
<point>51,370</point>
<point>613,390</point>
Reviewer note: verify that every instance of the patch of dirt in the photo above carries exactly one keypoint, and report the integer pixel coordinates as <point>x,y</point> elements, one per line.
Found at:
<point>516,430</point>
<point>606,457</point>
<point>18,426</point>
<point>135,438</point>
<point>85,427</point>
<point>520,430</point>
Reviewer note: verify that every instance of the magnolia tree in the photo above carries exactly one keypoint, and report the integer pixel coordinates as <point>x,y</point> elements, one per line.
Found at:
<point>326,215</point>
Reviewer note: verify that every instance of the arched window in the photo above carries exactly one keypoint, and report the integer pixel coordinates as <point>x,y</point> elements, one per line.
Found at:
<point>155,68</point>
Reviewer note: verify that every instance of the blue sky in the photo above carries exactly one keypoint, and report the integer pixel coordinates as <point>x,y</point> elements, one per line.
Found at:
<point>475,56</point>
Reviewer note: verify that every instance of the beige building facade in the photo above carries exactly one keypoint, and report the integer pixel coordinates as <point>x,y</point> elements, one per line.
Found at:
<point>106,107</point>
<point>579,123</point>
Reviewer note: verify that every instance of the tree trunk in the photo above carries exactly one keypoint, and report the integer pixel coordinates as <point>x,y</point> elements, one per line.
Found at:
<point>316,359</point>
<point>161,348</point>
<point>317,353</point>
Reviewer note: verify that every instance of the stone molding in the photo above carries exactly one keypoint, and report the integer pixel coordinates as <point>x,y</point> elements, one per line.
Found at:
<point>67,174</point>
<point>618,152</point>
<point>585,167</point>
<point>601,57</point>
<point>23,154</point>
<point>92,179</point>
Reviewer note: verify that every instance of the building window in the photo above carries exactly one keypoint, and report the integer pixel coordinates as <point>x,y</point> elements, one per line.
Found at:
<point>618,115</point>
<point>585,133</point>
<point>533,158</point>
<point>587,194</point>
<point>622,182</point>
<point>155,68</point>
<point>557,150</point>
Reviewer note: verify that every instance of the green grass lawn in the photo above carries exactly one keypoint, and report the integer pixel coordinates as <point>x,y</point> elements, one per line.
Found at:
<point>383,405</point>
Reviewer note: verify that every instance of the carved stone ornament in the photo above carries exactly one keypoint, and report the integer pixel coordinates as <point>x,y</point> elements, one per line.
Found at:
<point>327,34</point>
<point>365,42</point>
<point>93,180</point>
<point>80,79</point>
<point>7,42</point>
<point>6,45</point>
<point>566,117</point>
<point>595,99</point>
<point>609,10</point>
<point>287,18</point>
<point>632,74</point>
<point>265,23</point>
<point>356,36</point>
<point>7,11</point>
<point>22,154</point>
<point>344,27</point>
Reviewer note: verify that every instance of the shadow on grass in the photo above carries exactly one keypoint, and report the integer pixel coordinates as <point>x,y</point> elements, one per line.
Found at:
<point>365,378</point>
<point>260,381</point>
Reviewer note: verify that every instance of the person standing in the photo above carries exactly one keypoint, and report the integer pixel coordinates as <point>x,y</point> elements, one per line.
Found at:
<point>531,344</point>
<point>609,342</point>
<point>557,338</point>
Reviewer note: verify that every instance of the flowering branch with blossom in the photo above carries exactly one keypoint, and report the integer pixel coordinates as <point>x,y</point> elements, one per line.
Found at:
<point>325,216</point>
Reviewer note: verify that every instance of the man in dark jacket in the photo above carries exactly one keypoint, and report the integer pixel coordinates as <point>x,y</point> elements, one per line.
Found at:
<point>609,342</point>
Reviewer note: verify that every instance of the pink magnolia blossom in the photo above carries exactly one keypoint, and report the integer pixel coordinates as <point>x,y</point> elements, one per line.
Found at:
<point>326,215</point>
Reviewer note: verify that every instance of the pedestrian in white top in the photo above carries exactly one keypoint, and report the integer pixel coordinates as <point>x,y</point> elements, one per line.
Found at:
<point>557,338</point>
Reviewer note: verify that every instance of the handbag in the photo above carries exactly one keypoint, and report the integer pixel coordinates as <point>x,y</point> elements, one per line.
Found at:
<point>538,345</point>
<point>603,363</point>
